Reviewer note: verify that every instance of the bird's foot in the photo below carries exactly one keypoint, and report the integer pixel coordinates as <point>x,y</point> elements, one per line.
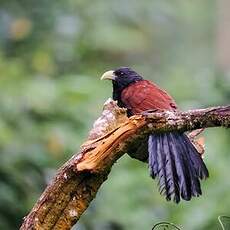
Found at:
<point>147,112</point>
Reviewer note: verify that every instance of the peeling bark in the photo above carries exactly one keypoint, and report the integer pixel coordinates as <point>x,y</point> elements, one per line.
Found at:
<point>78,180</point>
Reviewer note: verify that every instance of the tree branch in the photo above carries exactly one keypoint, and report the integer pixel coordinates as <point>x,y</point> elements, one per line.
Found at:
<point>78,180</point>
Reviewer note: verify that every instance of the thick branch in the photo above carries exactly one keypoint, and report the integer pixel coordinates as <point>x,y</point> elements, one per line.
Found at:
<point>77,182</point>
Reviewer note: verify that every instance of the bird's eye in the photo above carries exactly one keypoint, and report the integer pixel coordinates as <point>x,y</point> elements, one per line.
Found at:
<point>121,73</point>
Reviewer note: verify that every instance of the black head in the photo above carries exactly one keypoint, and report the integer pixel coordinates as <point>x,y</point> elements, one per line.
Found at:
<point>125,76</point>
<point>121,78</point>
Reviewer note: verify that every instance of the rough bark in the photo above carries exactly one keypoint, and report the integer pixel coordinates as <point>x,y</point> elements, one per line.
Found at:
<point>78,180</point>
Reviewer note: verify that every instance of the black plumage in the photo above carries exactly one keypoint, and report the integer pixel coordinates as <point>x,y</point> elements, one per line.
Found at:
<point>176,163</point>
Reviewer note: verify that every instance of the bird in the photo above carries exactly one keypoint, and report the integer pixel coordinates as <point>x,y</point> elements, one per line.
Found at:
<point>172,158</point>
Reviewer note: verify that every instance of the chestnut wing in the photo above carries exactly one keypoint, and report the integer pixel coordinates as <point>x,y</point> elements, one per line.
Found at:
<point>144,95</point>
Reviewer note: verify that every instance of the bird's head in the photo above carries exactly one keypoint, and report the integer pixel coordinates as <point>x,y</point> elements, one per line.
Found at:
<point>121,77</point>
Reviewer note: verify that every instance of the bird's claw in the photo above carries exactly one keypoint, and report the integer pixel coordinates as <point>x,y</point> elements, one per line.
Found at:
<point>147,112</point>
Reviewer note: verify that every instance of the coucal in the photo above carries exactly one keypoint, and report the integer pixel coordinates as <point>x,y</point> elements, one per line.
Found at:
<point>172,158</point>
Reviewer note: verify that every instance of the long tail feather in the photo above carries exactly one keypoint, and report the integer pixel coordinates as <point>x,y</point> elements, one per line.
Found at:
<point>176,163</point>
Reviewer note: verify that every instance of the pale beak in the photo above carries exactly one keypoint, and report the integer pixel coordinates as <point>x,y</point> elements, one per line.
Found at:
<point>109,75</point>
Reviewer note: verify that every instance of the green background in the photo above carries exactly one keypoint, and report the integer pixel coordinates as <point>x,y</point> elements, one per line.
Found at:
<point>52,54</point>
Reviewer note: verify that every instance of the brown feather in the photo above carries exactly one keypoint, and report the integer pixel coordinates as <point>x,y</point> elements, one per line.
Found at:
<point>144,95</point>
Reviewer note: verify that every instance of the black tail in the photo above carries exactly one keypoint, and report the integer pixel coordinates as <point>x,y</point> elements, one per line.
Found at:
<point>176,163</point>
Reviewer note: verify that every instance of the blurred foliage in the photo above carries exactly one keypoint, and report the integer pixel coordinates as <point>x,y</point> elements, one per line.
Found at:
<point>52,54</point>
